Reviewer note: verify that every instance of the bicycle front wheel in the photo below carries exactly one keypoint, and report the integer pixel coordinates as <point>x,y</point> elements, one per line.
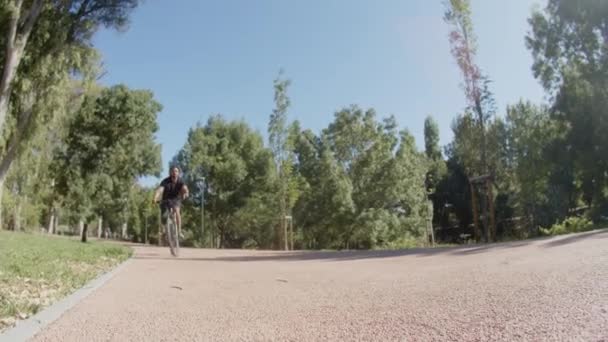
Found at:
<point>172,235</point>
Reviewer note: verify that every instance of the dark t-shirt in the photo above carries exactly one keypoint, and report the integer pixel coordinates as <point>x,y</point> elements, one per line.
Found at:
<point>171,191</point>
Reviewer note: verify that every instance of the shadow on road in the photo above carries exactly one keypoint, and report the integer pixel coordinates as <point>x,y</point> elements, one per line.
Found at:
<point>304,255</point>
<point>492,247</point>
<point>363,255</point>
<point>596,234</point>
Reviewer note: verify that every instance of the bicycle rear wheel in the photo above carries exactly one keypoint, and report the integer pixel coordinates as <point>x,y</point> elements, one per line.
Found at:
<point>172,235</point>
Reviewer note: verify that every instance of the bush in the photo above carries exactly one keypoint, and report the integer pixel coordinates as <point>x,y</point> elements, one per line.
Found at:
<point>573,224</point>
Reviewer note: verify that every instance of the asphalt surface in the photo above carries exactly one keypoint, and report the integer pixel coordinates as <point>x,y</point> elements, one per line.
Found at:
<point>537,290</point>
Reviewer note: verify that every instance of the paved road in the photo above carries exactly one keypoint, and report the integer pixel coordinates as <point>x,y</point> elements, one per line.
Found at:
<point>541,290</point>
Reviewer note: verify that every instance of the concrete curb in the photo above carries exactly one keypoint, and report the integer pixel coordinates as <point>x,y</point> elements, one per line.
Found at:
<point>26,329</point>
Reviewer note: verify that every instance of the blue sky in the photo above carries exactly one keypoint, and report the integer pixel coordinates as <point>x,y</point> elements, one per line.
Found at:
<point>203,57</point>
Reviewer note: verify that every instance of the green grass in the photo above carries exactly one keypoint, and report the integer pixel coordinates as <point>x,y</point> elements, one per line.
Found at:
<point>37,270</point>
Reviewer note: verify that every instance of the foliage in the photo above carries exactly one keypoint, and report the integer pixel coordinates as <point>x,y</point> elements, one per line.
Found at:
<point>281,140</point>
<point>480,101</point>
<point>236,166</point>
<point>436,165</point>
<point>72,150</point>
<point>573,224</point>
<point>109,144</point>
<point>365,184</point>
<point>568,42</point>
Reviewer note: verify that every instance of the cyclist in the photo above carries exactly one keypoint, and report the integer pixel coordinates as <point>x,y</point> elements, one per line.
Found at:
<point>173,191</point>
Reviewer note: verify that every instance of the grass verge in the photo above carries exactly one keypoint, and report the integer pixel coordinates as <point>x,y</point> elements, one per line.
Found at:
<point>38,270</point>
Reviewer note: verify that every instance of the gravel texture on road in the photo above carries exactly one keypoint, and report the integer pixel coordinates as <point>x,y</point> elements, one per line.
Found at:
<point>552,289</point>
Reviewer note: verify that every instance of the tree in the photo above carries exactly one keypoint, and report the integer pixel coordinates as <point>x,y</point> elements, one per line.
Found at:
<point>437,168</point>
<point>47,29</point>
<point>480,101</point>
<point>364,184</point>
<point>142,217</point>
<point>431,139</point>
<point>237,168</point>
<point>364,150</point>
<point>282,148</point>
<point>464,49</point>
<point>109,145</point>
<point>325,209</point>
<point>532,135</point>
<point>46,43</point>
<point>568,43</point>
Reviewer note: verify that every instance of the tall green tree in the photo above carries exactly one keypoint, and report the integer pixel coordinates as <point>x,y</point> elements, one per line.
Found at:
<point>463,44</point>
<point>109,145</point>
<point>569,44</point>
<point>326,207</point>
<point>38,30</point>
<point>364,183</point>
<point>431,139</point>
<point>533,135</point>
<point>436,164</point>
<point>238,170</point>
<point>281,144</point>
<point>45,43</point>
<point>436,169</point>
<point>480,103</point>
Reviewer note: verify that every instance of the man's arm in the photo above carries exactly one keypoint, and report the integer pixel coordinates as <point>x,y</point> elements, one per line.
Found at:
<point>158,193</point>
<point>185,192</point>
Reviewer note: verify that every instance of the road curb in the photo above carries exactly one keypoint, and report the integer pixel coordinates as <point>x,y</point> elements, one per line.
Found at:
<point>26,329</point>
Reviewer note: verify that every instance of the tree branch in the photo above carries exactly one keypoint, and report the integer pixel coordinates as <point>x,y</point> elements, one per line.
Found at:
<point>32,16</point>
<point>11,152</point>
<point>10,42</point>
<point>82,12</point>
<point>11,60</point>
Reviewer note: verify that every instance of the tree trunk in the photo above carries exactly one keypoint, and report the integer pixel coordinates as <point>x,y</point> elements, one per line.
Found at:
<point>10,152</point>
<point>124,231</point>
<point>13,57</point>
<point>475,214</point>
<point>282,207</point>
<point>99,227</point>
<point>492,214</point>
<point>49,229</point>
<point>430,211</point>
<point>1,192</point>
<point>212,242</point>
<point>221,237</point>
<point>56,224</point>
<point>15,45</point>
<point>284,222</point>
<point>18,216</point>
<point>80,227</point>
<point>83,236</point>
<point>485,211</point>
<point>291,230</point>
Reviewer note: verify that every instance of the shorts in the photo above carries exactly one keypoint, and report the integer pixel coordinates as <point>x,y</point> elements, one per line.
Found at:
<point>169,203</point>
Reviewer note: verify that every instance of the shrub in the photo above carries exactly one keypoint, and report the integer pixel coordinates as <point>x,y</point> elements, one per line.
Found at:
<point>573,224</point>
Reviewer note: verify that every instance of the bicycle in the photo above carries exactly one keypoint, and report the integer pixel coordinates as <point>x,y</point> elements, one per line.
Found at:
<point>171,229</point>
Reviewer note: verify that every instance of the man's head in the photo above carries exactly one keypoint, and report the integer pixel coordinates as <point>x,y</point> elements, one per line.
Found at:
<point>174,172</point>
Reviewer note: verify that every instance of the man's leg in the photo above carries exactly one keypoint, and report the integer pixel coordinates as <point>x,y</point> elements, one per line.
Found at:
<point>178,218</point>
<point>161,228</point>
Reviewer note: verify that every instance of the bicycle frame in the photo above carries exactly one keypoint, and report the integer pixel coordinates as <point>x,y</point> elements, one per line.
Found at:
<point>171,231</point>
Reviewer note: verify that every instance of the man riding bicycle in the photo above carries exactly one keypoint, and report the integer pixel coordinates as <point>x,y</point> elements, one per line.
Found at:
<point>173,191</point>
